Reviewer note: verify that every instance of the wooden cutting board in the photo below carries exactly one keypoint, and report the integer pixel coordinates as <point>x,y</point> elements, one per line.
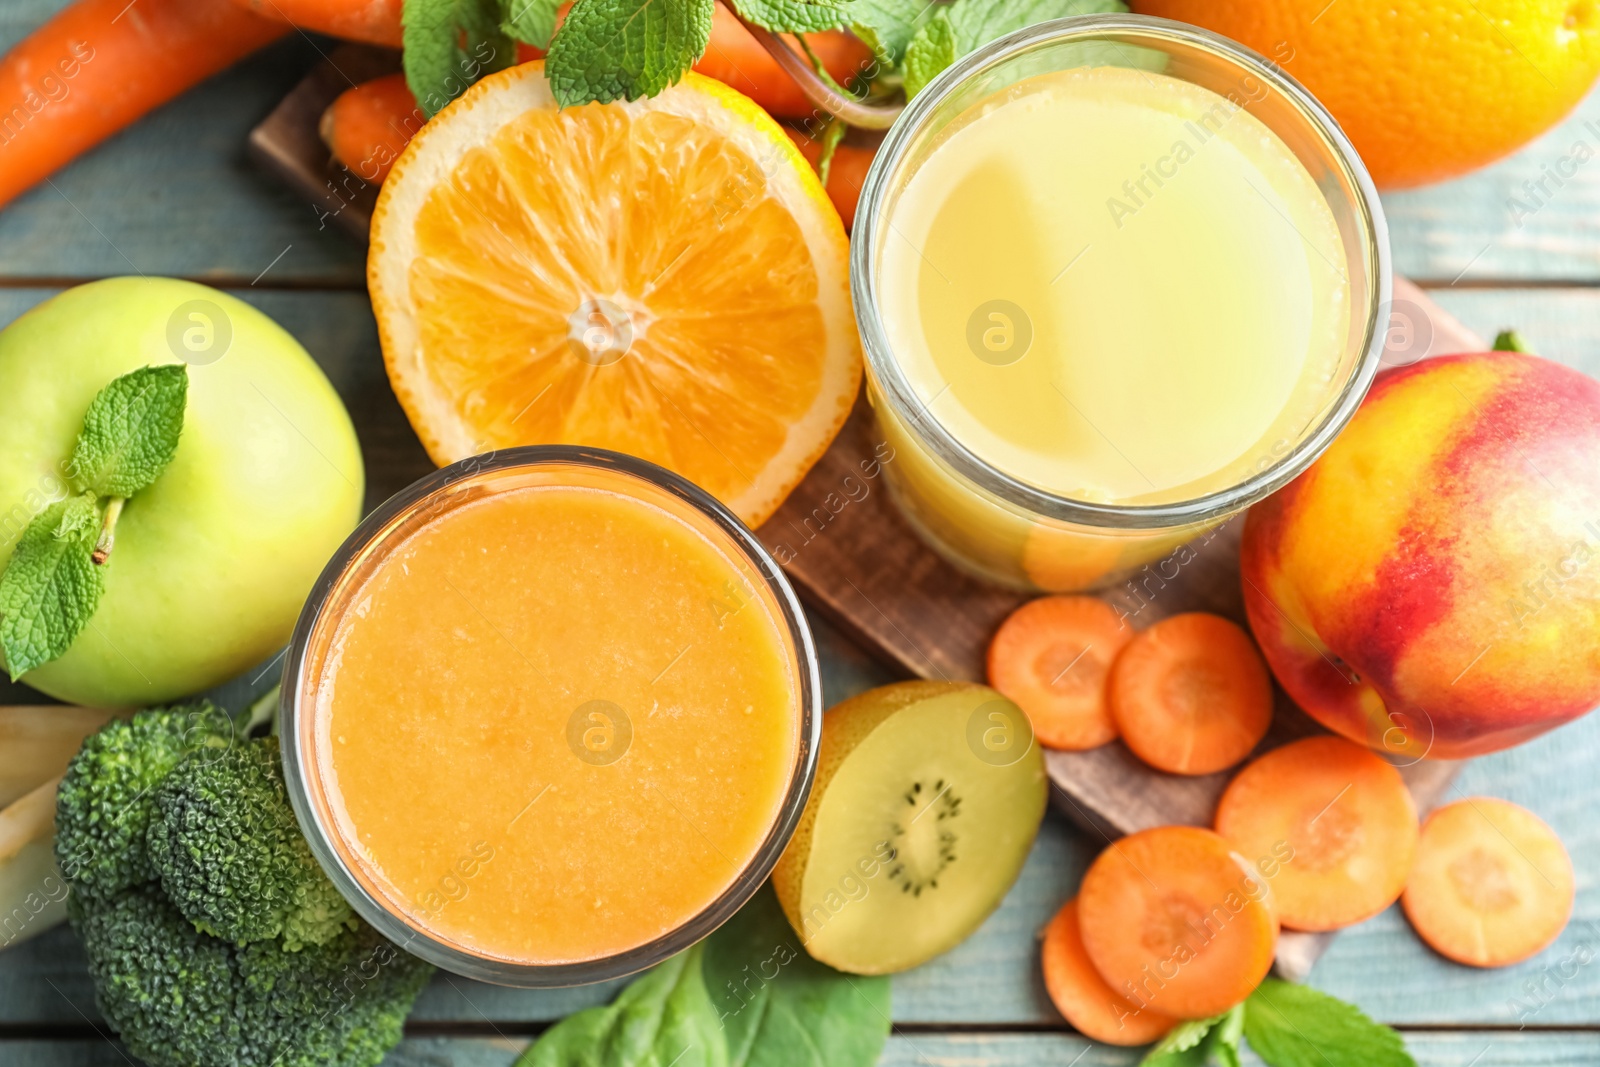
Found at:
<point>854,559</point>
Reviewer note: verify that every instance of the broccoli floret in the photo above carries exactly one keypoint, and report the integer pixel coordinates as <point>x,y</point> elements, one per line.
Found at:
<point>342,1003</point>
<point>169,829</point>
<point>167,988</point>
<point>230,854</point>
<point>105,801</point>
<point>182,998</point>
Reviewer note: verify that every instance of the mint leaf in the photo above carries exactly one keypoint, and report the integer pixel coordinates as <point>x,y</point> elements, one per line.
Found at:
<point>1184,1046</point>
<point>50,588</point>
<point>449,44</point>
<point>790,16</point>
<point>887,26</point>
<point>969,24</point>
<point>531,21</point>
<point>131,431</point>
<point>1223,1041</point>
<point>930,51</point>
<point>1291,1025</point>
<point>625,49</point>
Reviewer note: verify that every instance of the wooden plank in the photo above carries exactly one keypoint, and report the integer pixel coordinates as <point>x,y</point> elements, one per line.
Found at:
<point>1533,216</point>
<point>992,978</point>
<point>184,171</point>
<point>909,1050</point>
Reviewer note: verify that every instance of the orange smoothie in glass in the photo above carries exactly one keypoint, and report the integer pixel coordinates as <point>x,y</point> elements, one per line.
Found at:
<point>553,722</point>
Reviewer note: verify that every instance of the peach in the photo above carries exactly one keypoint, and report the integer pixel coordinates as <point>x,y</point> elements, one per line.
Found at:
<point>1431,585</point>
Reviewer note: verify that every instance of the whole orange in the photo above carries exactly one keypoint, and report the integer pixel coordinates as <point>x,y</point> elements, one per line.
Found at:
<point>1427,89</point>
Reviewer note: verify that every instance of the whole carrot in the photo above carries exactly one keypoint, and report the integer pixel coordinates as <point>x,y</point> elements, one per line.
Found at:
<point>372,21</point>
<point>845,174</point>
<point>736,58</point>
<point>100,64</point>
<point>368,127</point>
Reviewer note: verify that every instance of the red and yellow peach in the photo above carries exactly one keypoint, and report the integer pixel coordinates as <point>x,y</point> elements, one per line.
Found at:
<point>1431,585</point>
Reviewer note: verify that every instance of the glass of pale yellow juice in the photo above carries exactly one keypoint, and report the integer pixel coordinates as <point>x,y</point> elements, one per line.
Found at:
<point>550,716</point>
<point>1117,278</point>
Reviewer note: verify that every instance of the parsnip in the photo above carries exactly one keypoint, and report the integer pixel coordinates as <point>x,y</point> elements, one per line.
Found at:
<point>33,895</point>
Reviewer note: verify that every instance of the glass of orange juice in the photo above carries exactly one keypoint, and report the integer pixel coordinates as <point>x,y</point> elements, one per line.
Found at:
<point>550,716</point>
<point>1117,279</point>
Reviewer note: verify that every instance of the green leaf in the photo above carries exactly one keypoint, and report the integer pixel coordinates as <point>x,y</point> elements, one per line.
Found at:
<point>1223,1041</point>
<point>832,135</point>
<point>531,21</point>
<point>663,1017</point>
<point>1509,341</point>
<point>1185,1045</point>
<point>131,431</point>
<point>624,49</point>
<point>747,996</point>
<point>969,24</point>
<point>930,51</point>
<point>50,588</point>
<point>1291,1025</point>
<point>887,26</point>
<point>791,16</point>
<point>778,1007</point>
<point>449,44</point>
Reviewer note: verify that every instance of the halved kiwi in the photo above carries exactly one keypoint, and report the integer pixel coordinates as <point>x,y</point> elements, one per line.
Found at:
<point>927,799</point>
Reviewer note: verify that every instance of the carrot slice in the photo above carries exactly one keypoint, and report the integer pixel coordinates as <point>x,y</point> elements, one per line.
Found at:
<point>1083,997</point>
<point>1191,695</point>
<point>1333,825</point>
<point>1492,884</point>
<point>1051,656</point>
<point>1177,922</point>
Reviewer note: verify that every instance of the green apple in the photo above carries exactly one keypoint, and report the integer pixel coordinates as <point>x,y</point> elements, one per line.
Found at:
<point>213,561</point>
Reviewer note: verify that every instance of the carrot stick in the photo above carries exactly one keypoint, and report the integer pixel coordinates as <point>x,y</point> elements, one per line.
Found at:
<point>845,173</point>
<point>372,21</point>
<point>1339,818</point>
<point>100,64</point>
<point>1051,656</point>
<point>737,59</point>
<point>1082,996</point>
<point>1177,922</point>
<point>1492,884</point>
<point>368,127</point>
<point>1191,695</point>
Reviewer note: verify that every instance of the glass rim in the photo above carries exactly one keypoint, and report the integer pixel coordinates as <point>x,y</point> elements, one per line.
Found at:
<point>901,398</point>
<point>299,762</point>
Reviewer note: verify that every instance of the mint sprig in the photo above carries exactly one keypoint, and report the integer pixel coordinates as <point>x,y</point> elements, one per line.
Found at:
<point>791,16</point>
<point>449,44</point>
<point>531,21</point>
<point>131,431</point>
<point>54,580</point>
<point>625,49</point>
<point>1291,1025</point>
<point>1287,1025</point>
<point>958,28</point>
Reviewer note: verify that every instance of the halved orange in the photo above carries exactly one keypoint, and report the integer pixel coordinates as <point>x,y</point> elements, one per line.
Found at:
<point>664,277</point>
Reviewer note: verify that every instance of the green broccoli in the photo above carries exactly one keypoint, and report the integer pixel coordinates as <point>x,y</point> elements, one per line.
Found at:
<point>182,998</point>
<point>105,801</point>
<point>171,832</point>
<point>231,856</point>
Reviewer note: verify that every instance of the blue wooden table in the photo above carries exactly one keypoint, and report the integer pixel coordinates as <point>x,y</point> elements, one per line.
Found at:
<point>176,196</point>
